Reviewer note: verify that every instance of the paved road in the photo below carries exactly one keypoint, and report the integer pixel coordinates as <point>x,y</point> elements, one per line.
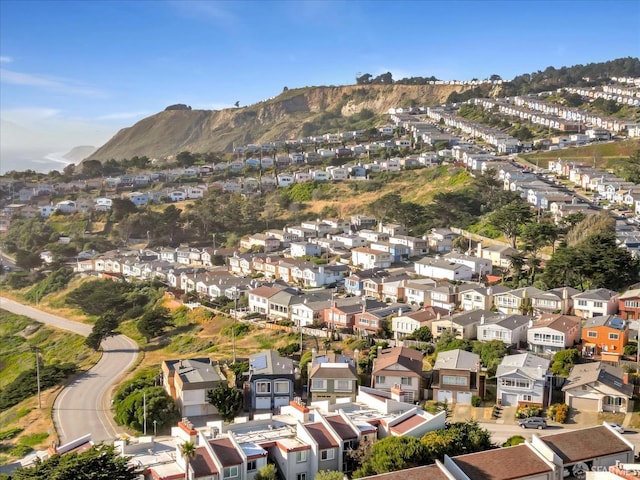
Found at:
<point>84,405</point>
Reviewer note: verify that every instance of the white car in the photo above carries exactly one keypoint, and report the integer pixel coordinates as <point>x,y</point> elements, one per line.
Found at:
<point>618,428</point>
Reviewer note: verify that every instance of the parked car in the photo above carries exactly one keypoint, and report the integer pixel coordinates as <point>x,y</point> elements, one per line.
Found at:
<point>533,422</point>
<point>617,427</point>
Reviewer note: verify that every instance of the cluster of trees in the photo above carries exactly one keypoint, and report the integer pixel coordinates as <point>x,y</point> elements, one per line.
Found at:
<point>113,302</point>
<point>491,353</point>
<point>101,462</point>
<point>398,453</point>
<point>579,75</point>
<point>26,384</point>
<point>141,393</point>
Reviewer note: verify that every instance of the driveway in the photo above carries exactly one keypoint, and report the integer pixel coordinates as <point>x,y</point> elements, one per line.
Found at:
<point>83,406</point>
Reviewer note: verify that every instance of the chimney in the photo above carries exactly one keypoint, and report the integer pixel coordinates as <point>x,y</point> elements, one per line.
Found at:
<point>625,378</point>
<point>479,250</point>
<point>399,312</point>
<point>314,354</point>
<point>437,315</point>
<point>530,322</point>
<point>482,319</point>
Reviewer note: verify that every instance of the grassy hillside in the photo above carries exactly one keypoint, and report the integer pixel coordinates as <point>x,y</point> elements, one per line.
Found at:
<point>600,154</point>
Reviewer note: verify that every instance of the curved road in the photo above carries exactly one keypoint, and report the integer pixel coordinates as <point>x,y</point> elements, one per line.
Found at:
<point>83,406</point>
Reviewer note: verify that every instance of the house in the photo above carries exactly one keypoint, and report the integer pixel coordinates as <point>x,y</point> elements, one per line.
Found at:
<point>332,376</point>
<point>499,255</point>
<point>480,298</point>
<point>405,324</point>
<point>592,303</point>
<point>605,336</point>
<point>510,329</point>
<point>597,387</point>
<point>442,269</point>
<point>554,332</point>
<point>464,324</point>
<point>305,249</point>
<point>341,313</point>
<point>515,301</point>
<point>456,377</point>
<point>522,380</point>
<point>440,240</point>
<point>354,283</point>
<point>629,304</point>
<point>259,298</point>
<point>265,242</point>
<point>371,322</point>
<point>367,258</point>
<point>270,380</point>
<point>478,266</point>
<point>188,381</point>
<point>556,300</point>
<point>398,367</point>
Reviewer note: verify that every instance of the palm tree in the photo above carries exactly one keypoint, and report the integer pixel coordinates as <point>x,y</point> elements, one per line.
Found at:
<point>188,451</point>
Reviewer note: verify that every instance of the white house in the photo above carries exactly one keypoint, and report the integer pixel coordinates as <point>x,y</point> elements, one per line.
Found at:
<point>441,268</point>
<point>367,258</point>
<point>509,329</point>
<point>593,303</point>
<point>521,379</point>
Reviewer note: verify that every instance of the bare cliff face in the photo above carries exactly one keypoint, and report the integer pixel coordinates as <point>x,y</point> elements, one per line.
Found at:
<point>199,131</point>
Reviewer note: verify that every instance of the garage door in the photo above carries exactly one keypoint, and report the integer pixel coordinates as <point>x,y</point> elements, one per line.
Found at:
<point>280,401</point>
<point>445,395</point>
<point>191,411</point>
<point>463,397</point>
<point>263,403</point>
<point>509,399</point>
<point>583,404</point>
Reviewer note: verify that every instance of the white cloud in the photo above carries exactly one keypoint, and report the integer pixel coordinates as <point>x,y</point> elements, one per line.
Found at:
<point>49,83</point>
<point>5,59</point>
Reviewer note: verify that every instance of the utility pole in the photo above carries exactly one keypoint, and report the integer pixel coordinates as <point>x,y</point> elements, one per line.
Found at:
<point>37,352</point>
<point>144,413</point>
<point>233,326</point>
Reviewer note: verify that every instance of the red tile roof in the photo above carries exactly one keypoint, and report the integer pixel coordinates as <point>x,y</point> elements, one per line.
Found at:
<point>341,427</point>
<point>202,463</point>
<point>408,424</point>
<point>226,452</point>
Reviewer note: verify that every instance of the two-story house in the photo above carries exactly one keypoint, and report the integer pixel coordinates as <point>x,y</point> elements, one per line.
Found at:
<point>464,324</point>
<point>522,380</point>
<point>270,380</point>
<point>593,303</point>
<point>398,367</point>
<point>605,336</point>
<point>456,377</point>
<point>188,383</point>
<point>515,301</point>
<point>551,333</point>
<point>597,387</point>
<point>556,300</point>
<point>629,304</point>
<point>405,324</point>
<point>510,329</point>
<point>331,377</point>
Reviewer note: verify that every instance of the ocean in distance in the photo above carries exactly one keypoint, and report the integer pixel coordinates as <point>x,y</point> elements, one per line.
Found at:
<point>38,161</point>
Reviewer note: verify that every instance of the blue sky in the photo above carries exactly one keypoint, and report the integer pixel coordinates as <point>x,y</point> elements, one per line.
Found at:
<point>74,73</point>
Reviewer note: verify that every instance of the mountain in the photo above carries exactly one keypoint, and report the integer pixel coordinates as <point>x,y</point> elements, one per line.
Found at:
<point>79,153</point>
<point>292,114</point>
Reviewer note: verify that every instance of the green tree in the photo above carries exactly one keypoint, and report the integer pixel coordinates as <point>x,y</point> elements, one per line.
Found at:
<point>329,475</point>
<point>563,362</point>
<point>98,463</point>
<point>392,454</point>
<point>448,341</point>
<point>422,334</point>
<point>188,451</point>
<point>491,354</point>
<point>513,440</point>
<point>268,472</point>
<point>457,438</point>
<point>154,322</point>
<point>510,218</point>
<point>228,401</point>
<point>104,327</point>
<point>28,260</point>
<point>159,407</point>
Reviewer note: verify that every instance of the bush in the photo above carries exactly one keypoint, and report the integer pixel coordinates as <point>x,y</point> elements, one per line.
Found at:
<point>475,401</point>
<point>513,441</point>
<point>10,433</point>
<point>558,412</point>
<point>526,411</point>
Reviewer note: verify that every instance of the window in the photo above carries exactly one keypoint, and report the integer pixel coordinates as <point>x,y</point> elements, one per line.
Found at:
<point>318,385</point>
<point>282,387</point>
<point>327,454</point>
<point>301,476</point>
<point>231,472</point>
<point>526,398</point>
<point>454,380</point>
<point>592,334</point>
<point>614,336</point>
<point>514,383</point>
<point>380,379</point>
<point>597,304</point>
<point>582,303</point>
<point>263,387</point>
<point>251,465</point>
<point>301,456</point>
<point>344,385</point>
<point>405,381</point>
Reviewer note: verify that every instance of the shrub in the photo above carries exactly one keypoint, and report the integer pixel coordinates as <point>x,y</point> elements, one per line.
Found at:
<point>10,433</point>
<point>513,441</point>
<point>526,411</point>
<point>475,400</point>
<point>558,412</point>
